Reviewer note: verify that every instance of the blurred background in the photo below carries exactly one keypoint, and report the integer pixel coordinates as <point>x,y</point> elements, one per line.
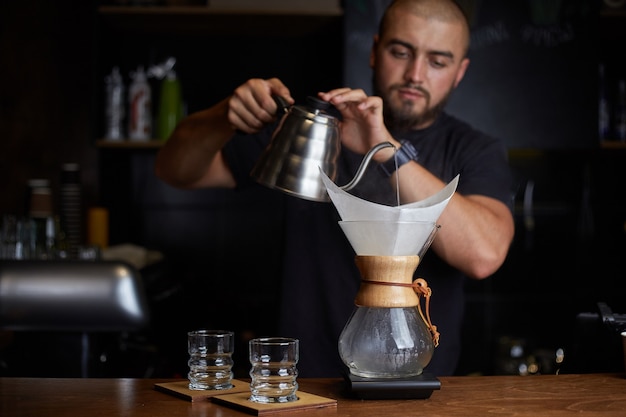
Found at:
<point>545,76</point>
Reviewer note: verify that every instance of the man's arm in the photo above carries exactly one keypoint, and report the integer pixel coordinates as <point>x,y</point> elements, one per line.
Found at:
<point>476,231</point>
<point>192,156</point>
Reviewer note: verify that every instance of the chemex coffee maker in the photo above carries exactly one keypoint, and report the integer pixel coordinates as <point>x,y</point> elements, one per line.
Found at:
<point>389,339</point>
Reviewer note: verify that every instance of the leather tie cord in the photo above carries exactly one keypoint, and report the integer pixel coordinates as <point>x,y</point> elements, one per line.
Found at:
<point>421,288</point>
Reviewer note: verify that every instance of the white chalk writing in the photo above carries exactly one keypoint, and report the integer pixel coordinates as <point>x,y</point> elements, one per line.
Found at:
<point>547,36</point>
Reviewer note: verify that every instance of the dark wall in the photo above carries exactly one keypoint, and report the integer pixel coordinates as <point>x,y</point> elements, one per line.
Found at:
<point>527,83</point>
<point>46,79</point>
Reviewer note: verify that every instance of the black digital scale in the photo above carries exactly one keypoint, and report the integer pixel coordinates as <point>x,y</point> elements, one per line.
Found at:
<point>417,387</point>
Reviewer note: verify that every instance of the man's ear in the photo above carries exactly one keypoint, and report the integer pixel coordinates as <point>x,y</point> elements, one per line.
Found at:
<point>373,52</point>
<point>461,72</point>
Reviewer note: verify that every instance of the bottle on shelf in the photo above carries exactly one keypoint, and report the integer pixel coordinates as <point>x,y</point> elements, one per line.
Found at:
<point>140,107</point>
<point>620,112</point>
<point>604,119</point>
<point>170,98</point>
<point>40,243</point>
<point>98,227</point>
<point>114,110</point>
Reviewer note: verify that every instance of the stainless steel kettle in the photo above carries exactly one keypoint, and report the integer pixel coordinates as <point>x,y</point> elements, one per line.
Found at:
<point>305,142</point>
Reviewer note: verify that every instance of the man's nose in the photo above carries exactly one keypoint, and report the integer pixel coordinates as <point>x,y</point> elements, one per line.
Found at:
<point>415,70</point>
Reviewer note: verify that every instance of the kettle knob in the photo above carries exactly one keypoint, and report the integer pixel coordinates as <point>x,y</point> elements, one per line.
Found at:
<point>317,104</point>
<point>313,104</point>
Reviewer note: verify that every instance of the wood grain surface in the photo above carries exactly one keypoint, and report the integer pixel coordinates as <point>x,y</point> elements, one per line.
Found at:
<point>537,396</point>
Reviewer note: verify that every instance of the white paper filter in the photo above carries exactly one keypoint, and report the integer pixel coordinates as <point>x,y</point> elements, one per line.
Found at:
<point>377,229</point>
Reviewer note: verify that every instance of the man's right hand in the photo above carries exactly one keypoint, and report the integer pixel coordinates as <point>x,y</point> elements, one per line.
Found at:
<point>252,106</point>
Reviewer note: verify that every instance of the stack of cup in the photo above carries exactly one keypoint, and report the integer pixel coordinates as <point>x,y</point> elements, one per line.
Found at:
<point>71,207</point>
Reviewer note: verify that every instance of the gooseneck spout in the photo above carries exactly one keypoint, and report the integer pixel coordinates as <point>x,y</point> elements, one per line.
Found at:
<point>364,163</point>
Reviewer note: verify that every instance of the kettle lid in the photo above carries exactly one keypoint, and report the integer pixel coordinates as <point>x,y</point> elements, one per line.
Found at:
<point>316,109</point>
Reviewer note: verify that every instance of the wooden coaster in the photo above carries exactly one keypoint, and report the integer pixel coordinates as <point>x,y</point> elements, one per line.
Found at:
<point>305,401</point>
<point>181,389</point>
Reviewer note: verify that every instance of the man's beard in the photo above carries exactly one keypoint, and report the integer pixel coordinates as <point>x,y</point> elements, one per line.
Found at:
<point>404,117</point>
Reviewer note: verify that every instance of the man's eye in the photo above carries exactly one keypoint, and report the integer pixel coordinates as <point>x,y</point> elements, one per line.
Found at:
<point>438,63</point>
<point>400,53</point>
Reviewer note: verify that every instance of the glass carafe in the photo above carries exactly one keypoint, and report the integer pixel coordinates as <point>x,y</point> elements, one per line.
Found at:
<point>388,334</point>
<point>399,345</point>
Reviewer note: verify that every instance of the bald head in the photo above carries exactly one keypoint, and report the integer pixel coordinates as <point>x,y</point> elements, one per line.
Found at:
<point>443,10</point>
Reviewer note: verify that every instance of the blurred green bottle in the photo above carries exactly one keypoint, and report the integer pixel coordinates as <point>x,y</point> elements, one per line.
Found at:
<point>170,105</point>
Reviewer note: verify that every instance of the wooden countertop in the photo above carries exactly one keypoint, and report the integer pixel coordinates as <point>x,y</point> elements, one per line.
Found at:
<point>537,396</point>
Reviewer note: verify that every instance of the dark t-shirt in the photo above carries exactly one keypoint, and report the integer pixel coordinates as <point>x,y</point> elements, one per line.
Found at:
<point>320,279</point>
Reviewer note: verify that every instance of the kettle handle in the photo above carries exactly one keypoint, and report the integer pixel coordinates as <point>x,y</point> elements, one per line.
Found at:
<point>281,102</point>
<point>364,163</point>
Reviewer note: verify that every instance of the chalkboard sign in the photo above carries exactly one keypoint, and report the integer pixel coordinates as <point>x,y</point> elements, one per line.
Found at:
<point>532,79</point>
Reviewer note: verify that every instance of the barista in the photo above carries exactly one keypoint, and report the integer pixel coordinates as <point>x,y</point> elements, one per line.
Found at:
<point>418,58</point>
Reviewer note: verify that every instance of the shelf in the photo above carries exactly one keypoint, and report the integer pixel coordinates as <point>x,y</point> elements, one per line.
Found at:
<point>612,144</point>
<point>207,11</point>
<point>606,12</point>
<point>129,144</point>
<point>199,20</point>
